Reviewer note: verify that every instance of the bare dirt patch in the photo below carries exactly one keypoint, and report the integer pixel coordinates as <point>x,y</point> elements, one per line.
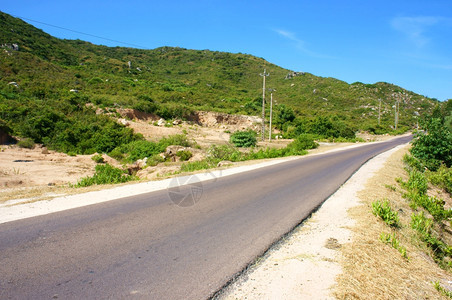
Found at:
<point>30,167</point>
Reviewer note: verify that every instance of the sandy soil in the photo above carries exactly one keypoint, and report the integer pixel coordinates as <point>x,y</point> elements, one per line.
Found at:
<point>30,167</point>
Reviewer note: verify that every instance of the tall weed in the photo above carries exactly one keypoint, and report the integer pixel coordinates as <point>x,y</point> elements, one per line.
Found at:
<point>105,174</point>
<point>384,211</point>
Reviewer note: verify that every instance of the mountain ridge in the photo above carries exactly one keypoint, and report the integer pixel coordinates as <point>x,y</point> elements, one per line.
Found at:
<point>172,82</point>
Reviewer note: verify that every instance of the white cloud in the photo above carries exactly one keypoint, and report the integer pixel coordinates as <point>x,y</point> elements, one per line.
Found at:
<point>287,34</point>
<point>299,44</point>
<point>415,28</point>
<point>291,36</point>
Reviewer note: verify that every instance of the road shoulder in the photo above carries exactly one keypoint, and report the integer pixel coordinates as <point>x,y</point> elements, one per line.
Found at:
<point>305,263</point>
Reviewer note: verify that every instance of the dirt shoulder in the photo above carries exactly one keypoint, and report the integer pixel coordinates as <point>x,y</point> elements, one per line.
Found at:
<point>375,270</point>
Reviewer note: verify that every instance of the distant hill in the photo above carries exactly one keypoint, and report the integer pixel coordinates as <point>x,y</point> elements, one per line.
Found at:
<point>41,72</point>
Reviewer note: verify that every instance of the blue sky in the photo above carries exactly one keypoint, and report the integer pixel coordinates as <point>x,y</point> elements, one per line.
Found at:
<point>408,43</point>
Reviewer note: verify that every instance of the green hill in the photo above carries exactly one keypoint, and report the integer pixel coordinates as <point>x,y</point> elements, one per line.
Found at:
<point>46,83</point>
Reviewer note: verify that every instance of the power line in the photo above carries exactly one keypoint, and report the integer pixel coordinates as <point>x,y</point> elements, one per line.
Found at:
<point>79,32</point>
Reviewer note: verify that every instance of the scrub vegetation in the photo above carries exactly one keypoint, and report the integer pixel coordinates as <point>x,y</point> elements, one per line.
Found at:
<point>67,95</point>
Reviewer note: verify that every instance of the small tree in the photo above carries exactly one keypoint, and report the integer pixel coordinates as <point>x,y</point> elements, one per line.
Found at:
<point>244,138</point>
<point>434,147</point>
<point>304,142</point>
<point>284,115</point>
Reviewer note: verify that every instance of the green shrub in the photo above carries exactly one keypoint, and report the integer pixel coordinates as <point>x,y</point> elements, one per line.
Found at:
<point>440,249</point>
<point>197,165</point>
<point>140,149</point>
<point>413,163</point>
<point>433,148</point>
<point>330,127</point>
<point>394,242</point>
<point>442,178</point>
<point>433,205</point>
<point>224,152</point>
<point>384,211</point>
<point>117,154</point>
<point>105,174</point>
<point>154,160</point>
<point>244,139</point>
<point>184,155</point>
<point>26,143</point>
<point>176,140</point>
<point>442,290</point>
<point>145,106</point>
<point>417,182</point>
<point>303,142</point>
<point>421,223</point>
<point>95,80</point>
<point>98,158</point>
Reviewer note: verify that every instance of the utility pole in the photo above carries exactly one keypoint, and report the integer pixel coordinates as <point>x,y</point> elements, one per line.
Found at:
<point>265,74</point>
<point>379,112</point>
<point>271,115</point>
<point>396,114</point>
<point>398,110</point>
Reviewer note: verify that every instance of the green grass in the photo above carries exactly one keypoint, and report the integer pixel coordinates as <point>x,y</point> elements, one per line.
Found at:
<point>441,252</point>
<point>383,210</point>
<point>106,174</point>
<point>442,290</point>
<point>26,143</point>
<point>392,240</point>
<point>98,158</point>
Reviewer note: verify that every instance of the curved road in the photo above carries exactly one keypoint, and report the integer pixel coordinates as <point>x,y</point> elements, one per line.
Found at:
<point>147,247</point>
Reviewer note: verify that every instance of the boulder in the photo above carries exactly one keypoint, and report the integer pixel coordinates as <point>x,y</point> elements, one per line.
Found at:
<point>224,163</point>
<point>161,122</point>
<point>133,169</point>
<point>124,122</point>
<point>142,162</point>
<point>172,150</point>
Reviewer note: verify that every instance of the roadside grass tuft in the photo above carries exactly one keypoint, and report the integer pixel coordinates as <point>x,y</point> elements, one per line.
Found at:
<point>392,240</point>
<point>442,290</point>
<point>106,174</point>
<point>384,211</point>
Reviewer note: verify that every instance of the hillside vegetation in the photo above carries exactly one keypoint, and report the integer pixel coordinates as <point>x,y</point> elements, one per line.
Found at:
<point>46,84</point>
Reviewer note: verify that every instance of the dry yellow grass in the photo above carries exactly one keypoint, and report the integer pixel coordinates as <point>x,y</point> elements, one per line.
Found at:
<point>374,270</point>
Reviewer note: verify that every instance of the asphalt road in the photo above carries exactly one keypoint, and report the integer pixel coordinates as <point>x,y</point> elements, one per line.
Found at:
<point>147,247</point>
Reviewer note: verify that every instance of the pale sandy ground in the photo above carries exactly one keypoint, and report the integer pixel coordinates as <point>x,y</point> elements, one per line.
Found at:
<point>304,264</point>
